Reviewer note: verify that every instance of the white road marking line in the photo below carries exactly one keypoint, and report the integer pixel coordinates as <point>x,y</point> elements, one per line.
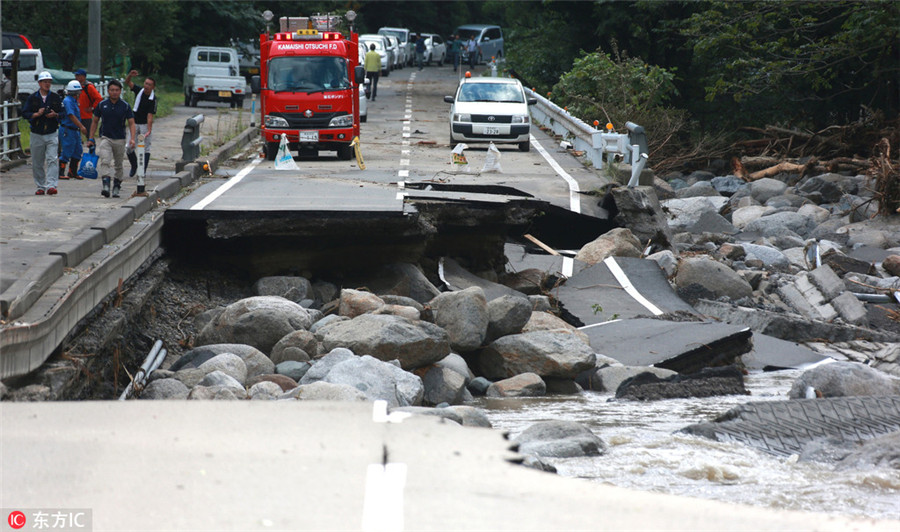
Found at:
<point>568,266</point>
<point>406,135</point>
<point>405,128</point>
<point>574,197</point>
<point>226,185</point>
<point>404,162</point>
<point>404,152</point>
<point>401,184</point>
<point>383,502</point>
<point>623,279</point>
<point>403,173</point>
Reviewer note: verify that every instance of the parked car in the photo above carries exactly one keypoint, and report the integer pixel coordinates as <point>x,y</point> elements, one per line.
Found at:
<point>488,37</point>
<point>213,74</point>
<point>364,89</point>
<point>490,110</point>
<point>402,35</point>
<point>13,40</point>
<point>381,46</point>
<point>435,49</point>
<point>31,63</point>
<point>398,51</point>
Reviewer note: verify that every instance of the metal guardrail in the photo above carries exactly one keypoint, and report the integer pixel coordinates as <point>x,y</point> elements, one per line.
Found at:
<point>191,139</point>
<point>9,130</point>
<point>597,144</point>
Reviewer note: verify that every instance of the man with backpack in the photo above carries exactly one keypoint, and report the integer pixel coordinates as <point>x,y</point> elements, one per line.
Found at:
<point>88,99</point>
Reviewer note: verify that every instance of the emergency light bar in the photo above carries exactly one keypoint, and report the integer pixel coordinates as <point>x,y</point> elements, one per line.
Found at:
<point>309,35</point>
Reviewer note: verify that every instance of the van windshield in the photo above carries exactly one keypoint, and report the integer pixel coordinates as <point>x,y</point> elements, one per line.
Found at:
<point>308,74</point>
<point>465,34</point>
<point>491,92</point>
<point>400,35</point>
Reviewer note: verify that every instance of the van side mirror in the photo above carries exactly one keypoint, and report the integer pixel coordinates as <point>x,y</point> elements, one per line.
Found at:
<point>532,101</point>
<point>359,73</point>
<point>448,99</point>
<point>254,84</point>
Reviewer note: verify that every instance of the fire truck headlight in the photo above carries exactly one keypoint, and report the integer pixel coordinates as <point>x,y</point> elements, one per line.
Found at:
<point>520,119</point>
<point>341,121</point>
<point>462,117</point>
<point>276,121</point>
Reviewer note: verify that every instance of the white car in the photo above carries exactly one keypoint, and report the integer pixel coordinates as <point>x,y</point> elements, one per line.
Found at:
<point>435,49</point>
<point>399,52</point>
<point>381,46</point>
<point>490,110</point>
<point>363,88</point>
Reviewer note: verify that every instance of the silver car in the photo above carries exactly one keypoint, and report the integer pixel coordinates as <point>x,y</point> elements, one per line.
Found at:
<point>435,49</point>
<point>382,47</point>
<point>399,59</point>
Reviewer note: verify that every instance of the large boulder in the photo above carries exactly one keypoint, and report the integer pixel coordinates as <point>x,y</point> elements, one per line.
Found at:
<point>842,379</point>
<point>559,439</point>
<point>257,321</point>
<point>685,212</point>
<point>379,380</point>
<point>325,391</point>
<point>700,277</point>
<point>775,223</point>
<point>464,315</point>
<point>255,361</point>
<point>770,257</point>
<point>765,188</point>
<point>414,343</point>
<point>609,378</point>
<point>297,346</point>
<point>354,303</point>
<point>403,279</point>
<point>322,366</point>
<point>165,389</point>
<point>617,242</point>
<point>743,216</point>
<point>229,364</point>
<point>295,289</point>
<point>216,393</point>
<point>708,382</point>
<point>282,381</point>
<point>544,321</point>
<point>555,353</point>
<point>220,379</point>
<point>524,385</point>
<point>265,391</point>
<point>507,315</point>
<point>638,209</point>
<point>444,385</point>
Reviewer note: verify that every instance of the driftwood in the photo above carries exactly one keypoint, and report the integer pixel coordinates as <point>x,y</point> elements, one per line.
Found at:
<point>739,167</point>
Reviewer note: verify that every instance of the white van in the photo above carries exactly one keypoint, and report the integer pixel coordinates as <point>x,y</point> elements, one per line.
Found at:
<point>31,63</point>
<point>213,74</point>
<point>402,34</point>
<point>488,37</point>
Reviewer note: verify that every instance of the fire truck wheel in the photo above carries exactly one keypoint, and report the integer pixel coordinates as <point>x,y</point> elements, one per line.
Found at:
<point>270,149</point>
<point>345,152</point>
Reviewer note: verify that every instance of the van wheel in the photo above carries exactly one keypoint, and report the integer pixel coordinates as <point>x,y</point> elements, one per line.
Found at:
<point>345,152</point>
<point>187,99</point>
<point>525,146</point>
<point>270,149</point>
<point>441,62</point>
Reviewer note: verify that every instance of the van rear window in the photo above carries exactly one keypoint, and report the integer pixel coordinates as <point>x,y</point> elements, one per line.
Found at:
<point>214,57</point>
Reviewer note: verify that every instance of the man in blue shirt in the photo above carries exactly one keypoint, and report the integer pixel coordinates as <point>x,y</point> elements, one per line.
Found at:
<point>70,130</point>
<point>420,50</point>
<point>42,112</point>
<point>113,113</point>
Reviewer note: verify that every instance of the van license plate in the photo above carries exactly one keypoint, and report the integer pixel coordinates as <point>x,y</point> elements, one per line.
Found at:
<point>309,136</point>
<point>224,94</point>
<point>491,130</point>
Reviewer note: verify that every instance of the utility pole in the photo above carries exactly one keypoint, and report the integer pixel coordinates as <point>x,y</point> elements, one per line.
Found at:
<point>94,37</point>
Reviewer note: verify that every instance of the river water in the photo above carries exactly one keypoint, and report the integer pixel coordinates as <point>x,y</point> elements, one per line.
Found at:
<point>644,453</point>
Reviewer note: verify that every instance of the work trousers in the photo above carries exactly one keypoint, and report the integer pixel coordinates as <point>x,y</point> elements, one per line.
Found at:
<point>44,166</point>
<point>112,154</point>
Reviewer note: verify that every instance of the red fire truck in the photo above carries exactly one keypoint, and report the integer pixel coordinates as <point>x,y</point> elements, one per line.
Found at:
<point>309,91</point>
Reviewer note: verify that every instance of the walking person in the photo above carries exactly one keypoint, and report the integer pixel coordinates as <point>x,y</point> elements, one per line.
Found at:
<point>112,115</point>
<point>373,69</point>
<point>70,131</point>
<point>42,112</point>
<point>472,50</point>
<point>88,99</point>
<point>454,48</point>
<point>144,110</point>
<point>420,51</point>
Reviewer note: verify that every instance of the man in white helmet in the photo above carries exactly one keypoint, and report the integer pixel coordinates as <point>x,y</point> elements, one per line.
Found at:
<point>42,112</point>
<point>70,130</point>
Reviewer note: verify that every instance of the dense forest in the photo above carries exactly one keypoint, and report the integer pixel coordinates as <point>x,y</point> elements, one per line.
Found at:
<point>702,76</point>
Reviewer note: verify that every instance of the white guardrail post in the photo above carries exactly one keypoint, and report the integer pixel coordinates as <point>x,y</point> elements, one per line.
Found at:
<point>10,119</point>
<point>595,143</point>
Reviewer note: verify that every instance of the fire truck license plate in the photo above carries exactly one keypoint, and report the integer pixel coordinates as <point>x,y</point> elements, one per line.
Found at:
<point>224,94</point>
<point>491,130</point>
<point>309,136</point>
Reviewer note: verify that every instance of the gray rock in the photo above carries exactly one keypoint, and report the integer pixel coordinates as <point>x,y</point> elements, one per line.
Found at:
<point>770,257</point>
<point>221,379</point>
<point>464,315</point>
<point>608,379</point>
<point>470,416</point>
<point>190,377</point>
<point>667,261</point>
<point>697,190</point>
<point>385,337</point>
<point>743,216</point>
<point>828,188</point>
<point>765,188</point>
<point>201,320</point>
<point>882,452</point>
<point>229,364</point>
<point>814,212</point>
<point>165,389</point>
<point>479,386</point>
<point>727,185</point>
<point>217,393</point>
<point>787,201</point>
<point>325,391</point>
<point>282,381</point>
<point>540,303</point>
<point>709,382</point>
<point>379,380</point>
<point>265,391</point>
<point>842,379</point>
<point>160,374</point>
<point>391,299</point>
<point>559,439</point>
<point>618,242</point>
<point>400,310</point>
<point>554,353</point>
<point>443,385</point>
<point>507,315</point>
<point>771,224</point>
<point>711,222</point>
<point>295,346</point>
<point>30,393</point>
<point>535,462</point>
<point>523,385</point>
<point>403,279</point>
<point>331,319</point>
<point>686,212</point>
<point>257,321</point>
<point>639,210</point>
<point>256,362</point>
<point>3,391</point>
<point>293,369</point>
<point>456,363</point>
<point>544,321</point>
<point>706,278</point>
<point>322,366</point>
<point>323,291</point>
<point>295,289</point>
<point>442,413</point>
<point>356,302</point>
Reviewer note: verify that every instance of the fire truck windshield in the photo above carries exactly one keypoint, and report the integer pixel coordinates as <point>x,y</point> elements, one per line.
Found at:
<point>308,74</point>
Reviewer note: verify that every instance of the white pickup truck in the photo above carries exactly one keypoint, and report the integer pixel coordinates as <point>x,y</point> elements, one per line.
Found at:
<point>213,74</point>
<point>31,63</point>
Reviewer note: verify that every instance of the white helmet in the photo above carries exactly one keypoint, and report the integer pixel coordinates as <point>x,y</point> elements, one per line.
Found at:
<point>44,75</point>
<point>73,86</point>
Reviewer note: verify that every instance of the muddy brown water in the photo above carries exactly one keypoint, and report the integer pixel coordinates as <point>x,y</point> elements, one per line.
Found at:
<point>646,453</point>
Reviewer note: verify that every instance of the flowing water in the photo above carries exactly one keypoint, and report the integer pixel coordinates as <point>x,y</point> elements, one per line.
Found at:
<point>646,454</point>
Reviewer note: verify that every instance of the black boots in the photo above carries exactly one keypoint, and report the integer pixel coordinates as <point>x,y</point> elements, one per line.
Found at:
<point>73,169</point>
<point>62,171</point>
<point>105,191</point>
<point>117,187</point>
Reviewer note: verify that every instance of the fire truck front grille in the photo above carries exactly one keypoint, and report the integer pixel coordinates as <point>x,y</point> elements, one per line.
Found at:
<point>316,121</point>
